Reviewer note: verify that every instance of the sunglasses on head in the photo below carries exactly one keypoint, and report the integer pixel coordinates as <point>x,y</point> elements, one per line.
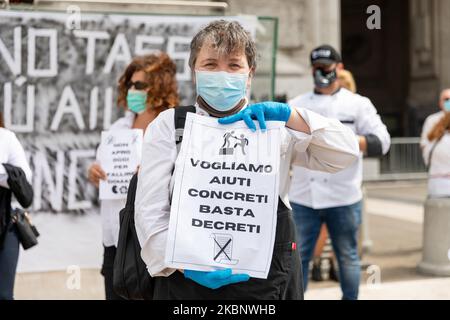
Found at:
<point>138,85</point>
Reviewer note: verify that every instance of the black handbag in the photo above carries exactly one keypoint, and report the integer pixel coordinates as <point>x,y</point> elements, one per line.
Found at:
<point>23,192</point>
<point>27,232</point>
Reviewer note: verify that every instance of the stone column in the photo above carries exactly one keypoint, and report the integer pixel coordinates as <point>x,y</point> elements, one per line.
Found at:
<point>436,238</point>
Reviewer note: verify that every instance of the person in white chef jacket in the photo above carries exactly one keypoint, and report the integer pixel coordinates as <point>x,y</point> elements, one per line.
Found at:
<point>223,61</point>
<point>334,199</point>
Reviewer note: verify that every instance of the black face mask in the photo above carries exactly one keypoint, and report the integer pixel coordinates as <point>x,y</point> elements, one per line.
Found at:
<point>324,79</point>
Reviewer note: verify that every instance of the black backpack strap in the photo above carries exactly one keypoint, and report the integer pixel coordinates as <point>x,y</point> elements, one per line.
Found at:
<point>180,120</point>
<point>131,195</point>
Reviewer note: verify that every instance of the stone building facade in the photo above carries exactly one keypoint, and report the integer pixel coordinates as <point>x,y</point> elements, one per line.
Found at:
<point>402,67</point>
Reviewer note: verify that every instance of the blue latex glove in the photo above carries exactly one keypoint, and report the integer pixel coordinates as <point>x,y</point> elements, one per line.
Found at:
<point>262,111</point>
<point>215,279</point>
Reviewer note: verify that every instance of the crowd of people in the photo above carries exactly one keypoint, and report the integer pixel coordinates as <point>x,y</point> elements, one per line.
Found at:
<point>328,132</point>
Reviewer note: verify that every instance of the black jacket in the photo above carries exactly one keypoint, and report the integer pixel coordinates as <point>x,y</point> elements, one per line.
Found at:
<point>22,190</point>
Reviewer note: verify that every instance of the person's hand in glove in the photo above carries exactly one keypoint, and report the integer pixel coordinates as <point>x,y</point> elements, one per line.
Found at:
<point>215,279</point>
<point>268,111</point>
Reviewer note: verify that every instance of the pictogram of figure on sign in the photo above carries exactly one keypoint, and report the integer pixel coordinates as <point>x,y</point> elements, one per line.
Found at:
<point>242,142</point>
<point>226,139</point>
<point>226,148</point>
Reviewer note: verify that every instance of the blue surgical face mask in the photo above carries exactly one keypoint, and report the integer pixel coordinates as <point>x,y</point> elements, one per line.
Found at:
<point>136,101</point>
<point>221,90</point>
<point>447,105</point>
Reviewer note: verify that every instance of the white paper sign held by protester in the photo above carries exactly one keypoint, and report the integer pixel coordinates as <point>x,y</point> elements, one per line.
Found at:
<point>225,197</point>
<point>120,155</point>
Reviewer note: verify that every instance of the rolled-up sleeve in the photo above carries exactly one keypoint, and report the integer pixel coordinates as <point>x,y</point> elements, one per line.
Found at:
<point>330,147</point>
<point>369,124</point>
<point>152,203</point>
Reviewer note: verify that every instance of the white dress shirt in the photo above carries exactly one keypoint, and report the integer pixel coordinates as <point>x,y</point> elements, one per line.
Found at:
<point>439,172</point>
<point>319,190</point>
<point>110,209</point>
<point>11,152</point>
<point>330,147</point>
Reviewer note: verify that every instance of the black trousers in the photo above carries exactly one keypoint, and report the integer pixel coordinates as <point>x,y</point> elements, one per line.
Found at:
<point>9,255</point>
<point>284,281</point>
<point>107,272</point>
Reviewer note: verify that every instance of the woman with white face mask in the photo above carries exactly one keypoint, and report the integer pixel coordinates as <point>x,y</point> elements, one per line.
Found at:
<point>223,61</point>
<point>147,87</point>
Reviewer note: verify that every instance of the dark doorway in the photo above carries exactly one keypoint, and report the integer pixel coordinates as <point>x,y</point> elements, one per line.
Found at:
<point>379,59</point>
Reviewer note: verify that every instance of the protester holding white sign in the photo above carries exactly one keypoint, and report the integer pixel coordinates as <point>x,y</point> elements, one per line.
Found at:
<point>223,60</point>
<point>147,87</point>
<point>224,204</point>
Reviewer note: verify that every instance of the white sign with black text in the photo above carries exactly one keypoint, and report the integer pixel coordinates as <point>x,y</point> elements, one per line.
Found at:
<point>225,198</point>
<point>120,154</point>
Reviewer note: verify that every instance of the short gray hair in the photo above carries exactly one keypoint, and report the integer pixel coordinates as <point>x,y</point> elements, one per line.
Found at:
<point>225,36</point>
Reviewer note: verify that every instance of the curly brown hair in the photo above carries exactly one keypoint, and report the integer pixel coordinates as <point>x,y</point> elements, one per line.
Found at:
<point>160,73</point>
<point>440,127</point>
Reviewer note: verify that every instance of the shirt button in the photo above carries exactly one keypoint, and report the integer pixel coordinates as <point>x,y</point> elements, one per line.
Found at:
<point>312,179</point>
<point>325,180</point>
